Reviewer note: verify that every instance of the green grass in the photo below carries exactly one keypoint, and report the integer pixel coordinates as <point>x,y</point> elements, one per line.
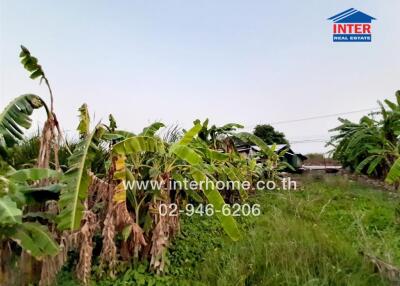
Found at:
<point>316,236</point>
<point>312,237</point>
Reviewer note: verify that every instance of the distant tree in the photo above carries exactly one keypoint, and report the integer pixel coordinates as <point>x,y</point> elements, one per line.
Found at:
<point>270,136</point>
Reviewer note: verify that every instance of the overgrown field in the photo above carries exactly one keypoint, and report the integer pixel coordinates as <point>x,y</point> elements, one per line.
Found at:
<point>68,212</point>
<point>332,232</point>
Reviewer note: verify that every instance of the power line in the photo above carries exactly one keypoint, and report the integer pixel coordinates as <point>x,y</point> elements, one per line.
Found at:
<point>320,116</point>
<point>309,141</point>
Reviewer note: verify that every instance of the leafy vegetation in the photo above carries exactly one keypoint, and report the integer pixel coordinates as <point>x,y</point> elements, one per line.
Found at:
<point>327,234</point>
<point>330,233</point>
<point>371,146</point>
<point>68,208</point>
<point>74,198</point>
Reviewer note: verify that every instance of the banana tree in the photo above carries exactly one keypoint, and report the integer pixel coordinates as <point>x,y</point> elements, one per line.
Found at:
<point>21,227</point>
<point>77,180</point>
<point>17,190</point>
<point>218,136</point>
<point>165,163</point>
<point>372,145</point>
<point>16,117</point>
<point>51,133</point>
<point>200,172</point>
<point>394,173</point>
<point>392,127</point>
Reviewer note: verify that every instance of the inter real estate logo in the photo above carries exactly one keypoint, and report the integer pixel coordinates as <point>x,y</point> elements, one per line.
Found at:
<point>352,26</point>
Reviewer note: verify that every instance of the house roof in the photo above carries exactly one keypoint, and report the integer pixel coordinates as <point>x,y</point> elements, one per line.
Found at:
<point>352,16</point>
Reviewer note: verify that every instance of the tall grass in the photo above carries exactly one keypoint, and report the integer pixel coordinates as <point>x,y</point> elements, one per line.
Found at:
<point>314,237</point>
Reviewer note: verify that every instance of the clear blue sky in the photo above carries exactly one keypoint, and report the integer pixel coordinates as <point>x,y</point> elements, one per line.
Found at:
<point>231,61</point>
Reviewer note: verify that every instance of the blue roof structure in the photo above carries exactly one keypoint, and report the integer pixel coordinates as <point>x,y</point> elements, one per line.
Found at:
<point>352,16</point>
